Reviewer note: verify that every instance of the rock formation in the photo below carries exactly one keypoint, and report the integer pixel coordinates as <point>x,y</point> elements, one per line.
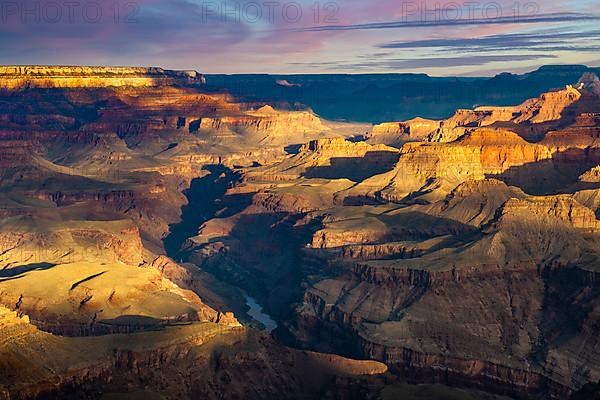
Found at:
<point>138,212</point>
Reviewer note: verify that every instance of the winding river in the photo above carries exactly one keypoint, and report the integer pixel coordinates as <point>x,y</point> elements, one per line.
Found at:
<point>257,314</point>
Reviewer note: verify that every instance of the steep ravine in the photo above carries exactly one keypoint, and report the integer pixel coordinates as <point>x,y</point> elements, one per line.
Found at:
<point>205,197</point>
<point>202,206</point>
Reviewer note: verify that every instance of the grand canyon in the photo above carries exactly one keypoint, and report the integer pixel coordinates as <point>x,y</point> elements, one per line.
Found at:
<point>161,237</point>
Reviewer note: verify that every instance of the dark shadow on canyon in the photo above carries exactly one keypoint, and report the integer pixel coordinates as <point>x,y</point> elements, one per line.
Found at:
<point>558,175</point>
<point>17,272</point>
<point>356,169</point>
<point>203,197</point>
<point>264,257</point>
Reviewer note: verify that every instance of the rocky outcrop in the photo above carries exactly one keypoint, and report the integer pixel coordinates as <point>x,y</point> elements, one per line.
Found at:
<point>208,361</point>
<point>549,106</point>
<point>188,277</point>
<point>81,299</point>
<point>397,133</point>
<point>24,242</point>
<point>265,125</point>
<point>475,202</point>
<point>530,119</point>
<point>563,208</point>
<point>591,176</point>
<point>137,204</point>
<point>302,196</point>
<point>332,158</point>
<point>432,170</point>
<point>332,238</point>
<point>38,364</point>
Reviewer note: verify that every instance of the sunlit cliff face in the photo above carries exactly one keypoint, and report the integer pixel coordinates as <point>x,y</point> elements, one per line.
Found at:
<point>19,77</point>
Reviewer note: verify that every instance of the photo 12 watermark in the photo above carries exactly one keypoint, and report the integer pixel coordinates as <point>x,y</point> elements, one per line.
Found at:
<point>51,12</point>
<point>466,11</point>
<point>270,12</point>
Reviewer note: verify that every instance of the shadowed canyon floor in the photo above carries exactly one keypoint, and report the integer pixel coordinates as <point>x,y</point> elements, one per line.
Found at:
<point>151,226</point>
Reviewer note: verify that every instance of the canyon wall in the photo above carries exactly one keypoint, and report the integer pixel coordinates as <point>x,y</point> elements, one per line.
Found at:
<point>21,77</point>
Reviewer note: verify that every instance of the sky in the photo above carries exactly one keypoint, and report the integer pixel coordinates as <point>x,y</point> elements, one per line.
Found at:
<point>438,37</point>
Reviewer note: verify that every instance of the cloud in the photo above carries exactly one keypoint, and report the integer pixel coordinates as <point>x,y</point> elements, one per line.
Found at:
<point>530,41</point>
<point>540,18</point>
<point>286,83</point>
<point>434,62</point>
<point>180,34</point>
<point>157,31</point>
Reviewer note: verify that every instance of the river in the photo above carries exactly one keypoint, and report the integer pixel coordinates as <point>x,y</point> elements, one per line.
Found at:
<point>257,314</point>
